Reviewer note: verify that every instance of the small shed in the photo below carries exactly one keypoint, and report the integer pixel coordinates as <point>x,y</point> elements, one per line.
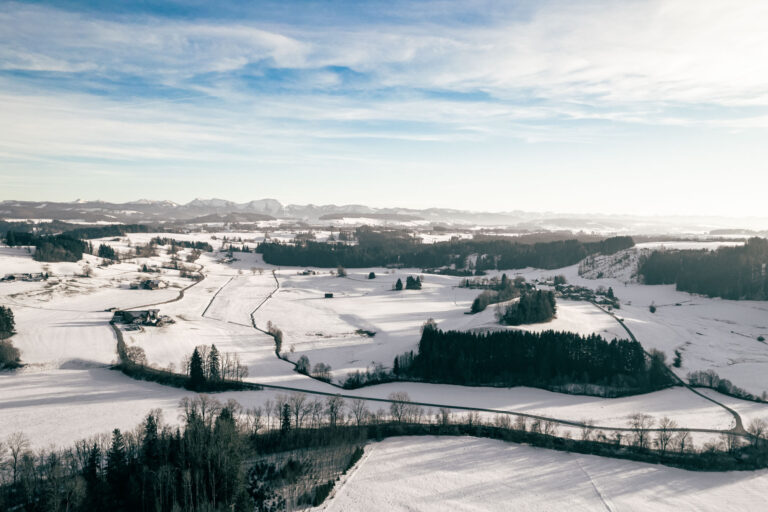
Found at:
<point>328,295</point>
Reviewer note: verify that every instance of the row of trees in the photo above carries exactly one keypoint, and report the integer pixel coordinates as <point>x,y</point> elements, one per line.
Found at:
<point>387,248</point>
<point>185,244</point>
<point>207,367</point>
<point>710,379</point>
<point>729,272</point>
<point>548,359</point>
<point>224,457</point>
<point>112,230</point>
<point>411,283</point>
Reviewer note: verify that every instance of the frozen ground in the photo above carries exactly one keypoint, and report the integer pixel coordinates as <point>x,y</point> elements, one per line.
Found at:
<point>61,406</point>
<point>687,409</point>
<point>711,333</point>
<point>465,473</point>
<point>64,335</point>
<point>331,330</point>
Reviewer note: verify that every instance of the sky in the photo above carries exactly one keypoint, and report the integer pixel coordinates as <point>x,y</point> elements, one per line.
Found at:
<point>638,107</point>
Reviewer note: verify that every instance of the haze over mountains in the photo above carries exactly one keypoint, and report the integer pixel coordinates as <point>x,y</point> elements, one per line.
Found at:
<point>221,210</point>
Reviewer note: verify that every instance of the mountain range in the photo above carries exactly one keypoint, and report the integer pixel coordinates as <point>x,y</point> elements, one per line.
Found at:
<point>221,210</point>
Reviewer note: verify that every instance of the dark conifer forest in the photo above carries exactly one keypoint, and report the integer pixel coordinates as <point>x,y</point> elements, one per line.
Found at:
<point>533,307</point>
<point>388,248</point>
<point>729,272</point>
<point>50,247</point>
<point>546,359</point>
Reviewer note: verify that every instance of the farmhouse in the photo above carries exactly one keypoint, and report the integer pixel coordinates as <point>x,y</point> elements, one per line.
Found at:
<point>141,317</point>
<point>149,284</point>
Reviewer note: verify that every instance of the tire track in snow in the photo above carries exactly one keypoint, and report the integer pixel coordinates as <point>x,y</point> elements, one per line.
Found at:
<point>594,486</point>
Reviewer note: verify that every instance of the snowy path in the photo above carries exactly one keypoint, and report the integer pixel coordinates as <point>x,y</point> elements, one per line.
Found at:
<point>738,427</point>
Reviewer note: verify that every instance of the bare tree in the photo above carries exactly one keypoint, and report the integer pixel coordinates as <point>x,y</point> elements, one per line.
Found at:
<point>683,441</point>
<point>665,434</point>
<point>254,420</point>
<point>315,409</point>
<point>444,416</point>
<point>640,423</point>
<point>359,410</point>
<point>18,445</point>
<point>298,401</point>
<point>502,421</point>
<point>268,406</point>
<point>334,407</point>
<point>759,430</point>
<point>399,407</point>
<point>730,442</point>
<point>586,429</point>
<point>549,428</point>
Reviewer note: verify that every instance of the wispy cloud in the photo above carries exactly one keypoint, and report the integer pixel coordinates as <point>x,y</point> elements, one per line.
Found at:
<point>317,87</point>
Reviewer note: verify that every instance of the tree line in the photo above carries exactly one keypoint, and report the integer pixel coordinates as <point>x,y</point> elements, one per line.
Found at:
<point>398,249</point>
<point>547,359</point>
<point>187,244</point>
<point>50,248</point>
<point>112,230</point>
<point>737,273</point>
<point>224,457</point>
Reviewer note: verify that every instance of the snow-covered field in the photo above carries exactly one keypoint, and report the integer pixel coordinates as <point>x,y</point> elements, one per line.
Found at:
<point>465,473</point>
<point>64,405</point>
<point>331,330</point>
<point>711,333</point>
<point>64,336</point>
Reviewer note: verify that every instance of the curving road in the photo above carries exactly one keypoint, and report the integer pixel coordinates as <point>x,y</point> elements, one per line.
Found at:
<point>739,425</point>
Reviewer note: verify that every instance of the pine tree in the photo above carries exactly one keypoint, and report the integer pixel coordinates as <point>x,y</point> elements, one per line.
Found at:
<point>92,479</point>
<point>214,364</point>
<point>7,322</point>
<point>196,373</point>
<point>399,285</point>
<point>149,443</point>
<point>285,419</point>
<point>117,469</point>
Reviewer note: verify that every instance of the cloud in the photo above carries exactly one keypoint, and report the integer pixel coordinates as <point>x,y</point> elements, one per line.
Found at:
<point>607,53</point>
<point>433,88</point>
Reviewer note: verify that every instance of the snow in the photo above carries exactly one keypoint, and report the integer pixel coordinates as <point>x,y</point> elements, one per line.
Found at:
<point>686,408</point>
<point>689,245</point>
<point>465,473</point>
<point>63,334</point>
<point>62,406</point>
<point>711,333</point>
<point>327,330</point>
